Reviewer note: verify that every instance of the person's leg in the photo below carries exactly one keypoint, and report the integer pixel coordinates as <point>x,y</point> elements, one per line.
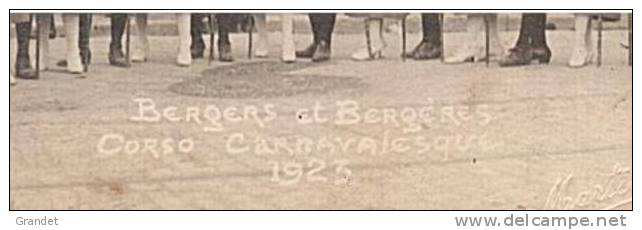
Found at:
<point>116,55</point>
<point>184,57</point>
<point>262,42</point>
<point>471,47</point>
<point>197,28</point>
<point>225,23</point>
<point>430,45</point>
<point>141,50</point>
<point>287,45</point>
<point>581,56</point>
<point>309,50</point>
<point>23,62</point>
<point>375,42</point>
<point>531,42</point>
<point>84,37</point>
<point>71,25</point>
<point>44,22</point>
<point>52,27</point>
<point>325,27</point>
<point>496,46</point>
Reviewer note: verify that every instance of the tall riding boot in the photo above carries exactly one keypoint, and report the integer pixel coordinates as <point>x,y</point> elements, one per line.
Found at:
<point>184,57</point>
<point>141,49</point>
<point>71,25</point>
<point>287,46</point>
<point>23,62</point>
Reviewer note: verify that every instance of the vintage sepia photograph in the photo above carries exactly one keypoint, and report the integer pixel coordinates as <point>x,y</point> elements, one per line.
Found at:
<point>320,110</point>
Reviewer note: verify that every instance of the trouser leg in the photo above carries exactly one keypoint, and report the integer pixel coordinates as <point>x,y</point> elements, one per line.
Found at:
<point>431,28</point>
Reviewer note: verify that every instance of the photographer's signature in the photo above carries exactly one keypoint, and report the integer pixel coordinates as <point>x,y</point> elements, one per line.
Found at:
<point>610,193</point>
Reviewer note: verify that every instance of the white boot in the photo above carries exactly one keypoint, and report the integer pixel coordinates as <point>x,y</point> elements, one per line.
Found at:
<point>141,49</point>
<point>44,22</point>
<point>581,51</point>
<point>184,57</point>
<point>261,49</point>
<point>374,33</point>
<point>288,48</point>
<point>472,47</point>
<point>74,63</point>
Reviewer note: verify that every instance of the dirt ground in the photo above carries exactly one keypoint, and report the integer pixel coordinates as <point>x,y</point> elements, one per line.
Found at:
<point>535,137</point>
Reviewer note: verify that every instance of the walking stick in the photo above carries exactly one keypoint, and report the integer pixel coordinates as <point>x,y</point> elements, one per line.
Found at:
<point>127,40</point>
<point>441,38</point>
<point>37,43</point>
<point>368,41</point>
<point>249,40</point>
<point>599,40</point>
<point>403,39</point>
<point>210,22</point>
<point>487,39</point>
<point>630,19</point>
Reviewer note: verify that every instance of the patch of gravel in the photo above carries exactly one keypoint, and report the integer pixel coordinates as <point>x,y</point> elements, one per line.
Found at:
<point>264,80</point>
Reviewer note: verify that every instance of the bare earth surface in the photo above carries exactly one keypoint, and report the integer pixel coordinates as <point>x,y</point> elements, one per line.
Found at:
<point>536,137</point>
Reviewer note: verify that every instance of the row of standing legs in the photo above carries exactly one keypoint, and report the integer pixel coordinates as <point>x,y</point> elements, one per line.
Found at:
<point>531,44</point>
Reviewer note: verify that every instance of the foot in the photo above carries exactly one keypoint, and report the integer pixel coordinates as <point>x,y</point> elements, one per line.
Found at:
<point>363,54</point>
<point>12,80</point>
<point>24,70</point>
<point>288,52</point>
<point>469,54</point>
<point>184,58</point>
<point>225,52</point>
<point>197,50</point>
<point>117,58</point>
<point>322,53</point>
<point>517,56</point>
<point>74,65</point>
<point>261,50</point>
<point>580,58</point>
<point>307,52</point>
<point>140,54</point>
<point>425,51</point>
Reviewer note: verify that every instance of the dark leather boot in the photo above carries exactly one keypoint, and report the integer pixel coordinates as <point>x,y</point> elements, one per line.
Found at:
<point>23,62</point>
<point>307,52</point>
<point>425,51</point>
<point>524,55</point>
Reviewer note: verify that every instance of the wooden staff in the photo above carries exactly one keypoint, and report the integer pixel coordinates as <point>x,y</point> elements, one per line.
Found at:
<point>441,37</point>
<point>127,39</point>
<point>249,33</point>
<point>630,19</point>
<point>31,18</point>
<point>487,39</point>
<point>210,22</point>
<point>368,41</point>
<point>599,39</point>
<point>403,38</point>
